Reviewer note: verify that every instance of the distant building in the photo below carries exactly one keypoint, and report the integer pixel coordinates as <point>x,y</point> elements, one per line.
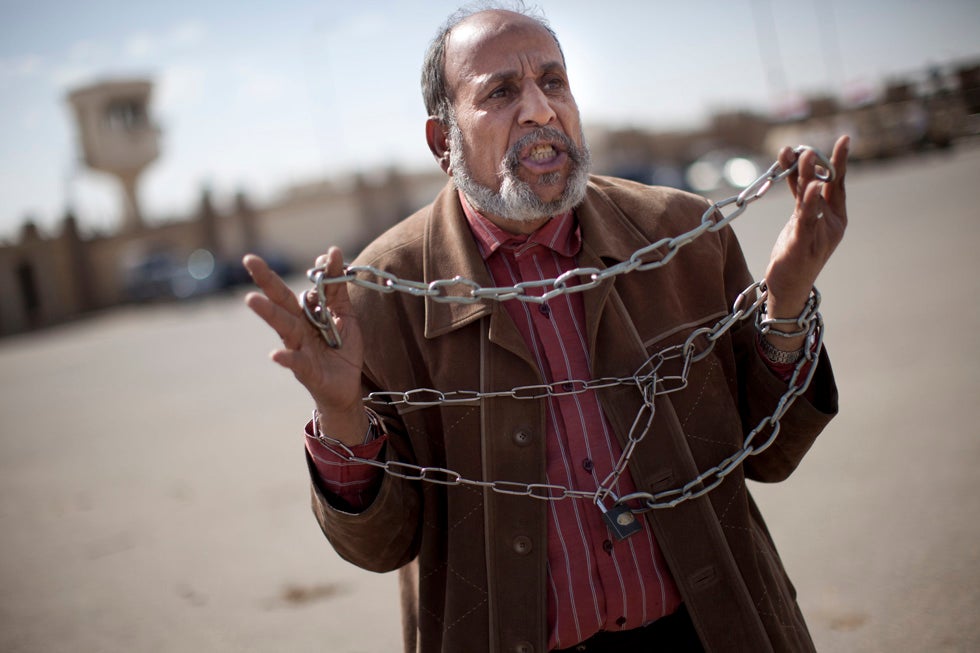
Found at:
<point>49,278</point>
<point>117,135</point>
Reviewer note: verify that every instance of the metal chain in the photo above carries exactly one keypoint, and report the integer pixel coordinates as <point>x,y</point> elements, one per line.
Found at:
<point>650,385</point>
<point>468,291</point>
<point>647,379</point>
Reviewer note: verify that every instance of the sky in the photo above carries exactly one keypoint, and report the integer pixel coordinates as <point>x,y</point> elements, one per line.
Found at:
<point>261,96</point>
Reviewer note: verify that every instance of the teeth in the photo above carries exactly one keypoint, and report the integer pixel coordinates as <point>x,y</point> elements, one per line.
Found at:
<point>542,152</point>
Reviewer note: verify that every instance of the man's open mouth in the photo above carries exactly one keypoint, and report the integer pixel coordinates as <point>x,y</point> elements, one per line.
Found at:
<point>542,152</point>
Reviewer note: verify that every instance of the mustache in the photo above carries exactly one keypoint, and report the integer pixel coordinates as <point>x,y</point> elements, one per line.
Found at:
<point>542,134</point>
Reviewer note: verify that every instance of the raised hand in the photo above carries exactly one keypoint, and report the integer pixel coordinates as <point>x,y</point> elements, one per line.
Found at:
<point>811,234</point>
<point>331,376</point>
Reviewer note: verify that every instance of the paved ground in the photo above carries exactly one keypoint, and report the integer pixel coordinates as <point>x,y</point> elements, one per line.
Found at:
<point>153,493</point>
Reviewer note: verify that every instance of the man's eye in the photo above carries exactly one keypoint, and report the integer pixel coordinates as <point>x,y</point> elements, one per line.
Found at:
<point>501,92</point>
<point>554,84</point>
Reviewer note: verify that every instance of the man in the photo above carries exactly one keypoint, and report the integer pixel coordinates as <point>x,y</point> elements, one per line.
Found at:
<point>498,570</point>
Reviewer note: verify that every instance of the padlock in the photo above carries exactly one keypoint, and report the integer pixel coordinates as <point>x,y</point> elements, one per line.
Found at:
<point>619,519</point>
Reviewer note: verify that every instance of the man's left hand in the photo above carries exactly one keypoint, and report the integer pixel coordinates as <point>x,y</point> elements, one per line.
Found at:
<point>809,237</point>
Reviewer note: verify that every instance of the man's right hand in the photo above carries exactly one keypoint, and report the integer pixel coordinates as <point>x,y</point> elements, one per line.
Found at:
<point>331,376</point>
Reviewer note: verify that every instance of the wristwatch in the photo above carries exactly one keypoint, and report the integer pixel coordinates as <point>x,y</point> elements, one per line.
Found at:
<point>776,355</point>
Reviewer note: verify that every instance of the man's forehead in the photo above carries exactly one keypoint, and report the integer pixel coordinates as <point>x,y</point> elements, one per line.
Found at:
<point>491,42</point>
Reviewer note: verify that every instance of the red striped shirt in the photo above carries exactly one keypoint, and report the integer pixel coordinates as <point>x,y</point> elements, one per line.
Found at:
<point>596,583</point>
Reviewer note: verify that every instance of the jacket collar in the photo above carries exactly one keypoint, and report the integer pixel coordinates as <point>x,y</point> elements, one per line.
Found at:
<point>606,231</point>
<point>449,250</point>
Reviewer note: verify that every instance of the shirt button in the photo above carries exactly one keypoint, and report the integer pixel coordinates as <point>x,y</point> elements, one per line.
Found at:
<point>522,437</point>
<point>587,464</point>
<point>607,546</point>
<point>544,309</point>
<point>522,545</point>
<point>621,622</point>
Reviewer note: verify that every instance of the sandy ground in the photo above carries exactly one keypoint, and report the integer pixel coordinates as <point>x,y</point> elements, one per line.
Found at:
<point>153,494</point>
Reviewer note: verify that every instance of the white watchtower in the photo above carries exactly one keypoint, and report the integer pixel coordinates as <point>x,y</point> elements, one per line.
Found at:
<point>117,135</point>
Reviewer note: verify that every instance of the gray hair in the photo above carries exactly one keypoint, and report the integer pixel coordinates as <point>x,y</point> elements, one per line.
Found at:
<point>435,89</point>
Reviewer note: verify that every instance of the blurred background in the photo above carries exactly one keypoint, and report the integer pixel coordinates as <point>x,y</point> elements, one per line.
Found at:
<point>146,146</point>
<point>152,484</point>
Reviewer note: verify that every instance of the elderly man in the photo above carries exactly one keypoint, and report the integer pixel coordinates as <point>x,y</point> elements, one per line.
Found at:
<point>507,510</point>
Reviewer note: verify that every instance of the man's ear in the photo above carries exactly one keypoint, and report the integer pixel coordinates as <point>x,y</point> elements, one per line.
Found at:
<point>436,135</point>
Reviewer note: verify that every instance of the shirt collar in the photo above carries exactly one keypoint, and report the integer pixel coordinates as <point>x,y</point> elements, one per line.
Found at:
<point>561,233</point>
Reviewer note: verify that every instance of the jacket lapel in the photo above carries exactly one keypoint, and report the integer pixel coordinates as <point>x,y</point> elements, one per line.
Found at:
<point>608,238</point>
<point>449,251</point>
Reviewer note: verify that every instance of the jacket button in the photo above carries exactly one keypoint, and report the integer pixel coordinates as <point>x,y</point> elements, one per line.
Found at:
<point>522,545</point>
<point>522,437</point>
<point>524,647</point>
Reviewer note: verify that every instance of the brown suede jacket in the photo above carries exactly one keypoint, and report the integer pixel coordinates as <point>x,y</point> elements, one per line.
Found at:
<point>477,578</point>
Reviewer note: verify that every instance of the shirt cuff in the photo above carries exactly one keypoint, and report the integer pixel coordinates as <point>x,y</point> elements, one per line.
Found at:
<point>355,483</point>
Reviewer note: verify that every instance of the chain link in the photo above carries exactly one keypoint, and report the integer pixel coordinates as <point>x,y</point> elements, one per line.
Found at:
<point>643,259</point>
<point>648,378</point>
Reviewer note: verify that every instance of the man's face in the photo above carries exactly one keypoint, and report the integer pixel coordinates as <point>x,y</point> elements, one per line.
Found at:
<point>515,132</point>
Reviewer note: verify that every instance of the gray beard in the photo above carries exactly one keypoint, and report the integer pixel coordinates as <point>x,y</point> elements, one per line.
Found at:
<point>516,200</point>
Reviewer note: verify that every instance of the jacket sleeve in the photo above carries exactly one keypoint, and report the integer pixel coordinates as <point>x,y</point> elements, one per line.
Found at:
<point>386,533</point>
<point>383,536</point>
<point>759,390</point>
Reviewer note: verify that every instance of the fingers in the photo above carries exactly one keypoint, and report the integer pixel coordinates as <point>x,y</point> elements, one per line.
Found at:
<point>276,305</point>
<point>839,157</point>
<point>803,166</point>
<point>834,193</point>
<point>282,310</point>
<point>294,361</point>
<point>271,283</point>
<point>815,197</point>
<point>807,189</point>
<point>787,158</point>
<point>285,323</point>
<point>810,206</point>
<point>336,295</point>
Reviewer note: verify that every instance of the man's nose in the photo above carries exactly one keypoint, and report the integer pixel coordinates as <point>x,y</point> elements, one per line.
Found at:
<point>536,110</point>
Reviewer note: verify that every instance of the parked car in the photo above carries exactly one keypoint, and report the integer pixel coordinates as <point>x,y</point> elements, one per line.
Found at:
<point>162,274</point>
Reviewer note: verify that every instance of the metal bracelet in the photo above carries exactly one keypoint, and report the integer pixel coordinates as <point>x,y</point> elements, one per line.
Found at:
<point>780,356</point>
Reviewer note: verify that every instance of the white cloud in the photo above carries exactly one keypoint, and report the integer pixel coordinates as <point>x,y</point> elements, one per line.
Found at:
<point>31,119</point>
<point>140,45</point>
<point>69,75</point>
<point>25,65</point>
<point>85,61</point>
<point>180,85</point>
<point>366,25</point>
<point>88,52</point>
<point>259,85</point>
<point>147,45</point>
<point>187,34</point>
